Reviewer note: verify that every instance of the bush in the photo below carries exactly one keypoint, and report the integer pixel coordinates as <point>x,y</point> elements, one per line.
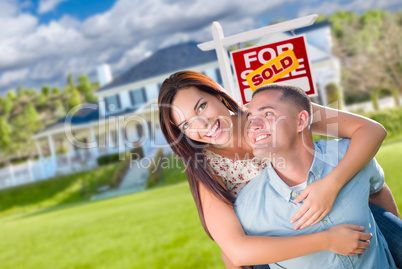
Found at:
<point>111,158</point>
<point>155,170</point>
<point>138,151</point>
<point>391,119</point>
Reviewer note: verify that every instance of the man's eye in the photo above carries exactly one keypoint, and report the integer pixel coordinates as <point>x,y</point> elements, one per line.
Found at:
<point>202,106</point>
<point>251,121</point>
<point>268,114</point>
<point>185,126</point>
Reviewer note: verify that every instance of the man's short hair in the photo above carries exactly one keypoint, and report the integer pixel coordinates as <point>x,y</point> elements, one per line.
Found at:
<point>290,93</point>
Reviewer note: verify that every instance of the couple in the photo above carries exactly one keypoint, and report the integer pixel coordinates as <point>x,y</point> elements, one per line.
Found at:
<point>200,119</point>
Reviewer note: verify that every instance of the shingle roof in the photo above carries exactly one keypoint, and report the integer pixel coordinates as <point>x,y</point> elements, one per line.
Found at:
<point>311,27</point>
<point>164,61</point>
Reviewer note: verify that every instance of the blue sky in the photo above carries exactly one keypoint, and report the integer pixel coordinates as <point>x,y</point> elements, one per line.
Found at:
<point>54,10</point>
<point>42,41</point>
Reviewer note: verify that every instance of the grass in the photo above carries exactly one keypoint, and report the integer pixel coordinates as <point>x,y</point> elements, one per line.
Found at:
<point>389,157</point>
<point>153,229</point>
<point>57,191</point>
<point>158,228</point>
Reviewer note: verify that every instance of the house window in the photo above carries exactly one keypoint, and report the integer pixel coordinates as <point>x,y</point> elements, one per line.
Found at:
<point>138,97</point>
<point>113,103</point>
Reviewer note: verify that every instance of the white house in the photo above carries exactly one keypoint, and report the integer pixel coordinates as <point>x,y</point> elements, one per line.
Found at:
<point>126,114</point>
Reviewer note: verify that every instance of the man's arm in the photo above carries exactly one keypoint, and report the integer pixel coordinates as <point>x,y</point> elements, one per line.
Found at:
<point>383,198</point>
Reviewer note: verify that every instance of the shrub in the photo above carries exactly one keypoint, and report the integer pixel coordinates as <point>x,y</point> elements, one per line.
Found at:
<point>138,151</point>
<point>155,170</point>
<point>391,119</point>
<point>106,159</point>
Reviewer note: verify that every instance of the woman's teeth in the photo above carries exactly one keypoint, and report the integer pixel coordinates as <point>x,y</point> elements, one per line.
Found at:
<point>210,133</point>
<point>260,137</point>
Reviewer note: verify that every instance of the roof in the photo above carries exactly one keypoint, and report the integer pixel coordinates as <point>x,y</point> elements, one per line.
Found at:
<point>87,115</point>
<point>167,60</point>
<point>312,27</point>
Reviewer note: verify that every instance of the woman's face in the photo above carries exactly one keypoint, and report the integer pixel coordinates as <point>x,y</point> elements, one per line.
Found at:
<point>201,116</point>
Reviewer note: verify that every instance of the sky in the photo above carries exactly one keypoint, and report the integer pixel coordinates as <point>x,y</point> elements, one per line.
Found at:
<point>42,41</point>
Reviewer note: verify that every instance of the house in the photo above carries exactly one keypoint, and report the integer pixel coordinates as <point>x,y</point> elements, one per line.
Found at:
<point>126,114</point>
<point>125,117</point>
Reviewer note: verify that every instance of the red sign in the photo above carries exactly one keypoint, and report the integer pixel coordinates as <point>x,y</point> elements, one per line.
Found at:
<point>247,60</point>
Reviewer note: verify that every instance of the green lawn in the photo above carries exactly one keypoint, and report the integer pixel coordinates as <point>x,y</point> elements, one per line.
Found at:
<point>152,229</point>
<point>158,228</point>
<point>56,191</point>
<point>390,158</point>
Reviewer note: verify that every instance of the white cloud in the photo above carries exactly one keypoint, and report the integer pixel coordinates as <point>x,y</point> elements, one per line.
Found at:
<point>121,36</point>
<point>48,5</point>
<point>10,77</point>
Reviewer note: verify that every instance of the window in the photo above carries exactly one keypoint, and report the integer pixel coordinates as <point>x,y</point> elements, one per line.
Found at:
<point>138,97</point>
<point>112,103</point>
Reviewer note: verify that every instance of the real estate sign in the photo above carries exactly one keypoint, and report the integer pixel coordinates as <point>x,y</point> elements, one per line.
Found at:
<point>284,61</point>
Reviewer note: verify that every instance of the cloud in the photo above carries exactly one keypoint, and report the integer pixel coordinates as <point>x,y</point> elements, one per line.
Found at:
<point>48,5</point>
<point>122,36</point>
<point>11,77</point>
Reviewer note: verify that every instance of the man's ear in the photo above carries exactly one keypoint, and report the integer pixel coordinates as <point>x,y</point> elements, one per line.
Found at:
<point>303,120</point>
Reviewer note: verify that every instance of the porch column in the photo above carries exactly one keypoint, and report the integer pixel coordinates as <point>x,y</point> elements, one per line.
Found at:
<point>42,170</point>
<point>94,150</point>
<point>52,150</point>
<point>39,150</point>
<point>120,141</point>
<point>11,172</point>
<point>30,172</point>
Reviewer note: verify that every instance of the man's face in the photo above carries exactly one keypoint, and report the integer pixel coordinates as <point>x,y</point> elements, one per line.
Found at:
<point>272,123</point>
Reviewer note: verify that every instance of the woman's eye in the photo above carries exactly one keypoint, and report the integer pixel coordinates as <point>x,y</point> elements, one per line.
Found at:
<point>201,107</point>
<point>185,126</point>
<point>268,114</point>
<point>250,121</point>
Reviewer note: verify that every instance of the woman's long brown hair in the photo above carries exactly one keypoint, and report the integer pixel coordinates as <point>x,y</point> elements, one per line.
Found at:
<point>198,170</point>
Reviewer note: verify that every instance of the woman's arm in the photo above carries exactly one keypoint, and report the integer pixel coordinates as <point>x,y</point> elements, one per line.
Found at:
<point>366,137</point>
<point>241,249</point>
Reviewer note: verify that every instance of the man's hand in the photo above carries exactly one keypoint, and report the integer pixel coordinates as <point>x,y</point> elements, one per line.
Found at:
<point>319,198</point>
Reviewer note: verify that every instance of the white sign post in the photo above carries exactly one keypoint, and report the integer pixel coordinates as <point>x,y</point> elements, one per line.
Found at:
<point>221,43</point>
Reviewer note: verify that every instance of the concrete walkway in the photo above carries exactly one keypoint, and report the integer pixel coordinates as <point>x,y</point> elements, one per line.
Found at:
<point>134,181</point>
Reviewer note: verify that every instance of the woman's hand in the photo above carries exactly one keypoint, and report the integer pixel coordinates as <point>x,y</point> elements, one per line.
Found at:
<point>348,239</point>
<point>319,198</point>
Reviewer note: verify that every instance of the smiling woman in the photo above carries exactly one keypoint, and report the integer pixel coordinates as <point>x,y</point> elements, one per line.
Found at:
<point>199,120</point>
<point>207,121</point>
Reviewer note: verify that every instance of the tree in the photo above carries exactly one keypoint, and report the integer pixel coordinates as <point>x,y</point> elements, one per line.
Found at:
<point>75,99</point>
<point>5,132</point>
<point>45,90</point>
<point>70,87</point>
<point>334,95</point>
<point>11,95</point>
<point>20,91</point>
<point>85,88</point>
<point>56,90</point>
<point>32,118</point>
<point>58,109</point>
<point>42,100</point>
<point>7,105</point>
<point>370,50</point>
